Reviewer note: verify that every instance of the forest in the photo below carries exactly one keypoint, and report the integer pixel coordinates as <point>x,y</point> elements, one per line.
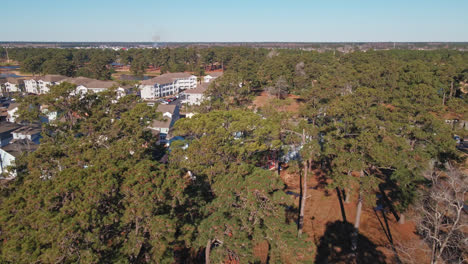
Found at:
<point>373,123</point>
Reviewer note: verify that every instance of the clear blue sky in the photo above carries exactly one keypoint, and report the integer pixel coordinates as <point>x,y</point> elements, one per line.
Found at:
<point>234,20</point>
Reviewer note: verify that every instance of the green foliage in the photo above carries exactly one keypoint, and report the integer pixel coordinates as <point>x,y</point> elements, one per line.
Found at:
<point>245,203</point>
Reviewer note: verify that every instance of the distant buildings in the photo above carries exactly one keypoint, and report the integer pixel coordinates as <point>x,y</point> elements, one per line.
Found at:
<point>41,84</point>
<point>13,85</point>
<point>167,84</point>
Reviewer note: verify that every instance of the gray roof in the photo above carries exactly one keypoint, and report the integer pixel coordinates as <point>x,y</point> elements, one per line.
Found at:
<point>8,127</point>
<point>200,89</point>
<point>166,108</point>
<point>164,123</point>
<point>14,80</point>
<point>91,83</point>
<point>13,106</point>
<point>28,130</point>
<point>215,74</point>
<point>166,78</point>
<point>51,78</point>
<point>17,147</point>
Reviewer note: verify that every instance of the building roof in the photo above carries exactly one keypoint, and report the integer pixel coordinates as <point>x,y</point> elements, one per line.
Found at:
<point>214,74</point>
<point>19,146</point>
<point>13,106</point>
<point>8,127</point>
<point>100,84</point>
<point>164,123</point>
<point>14,80</point>
<point>166,108</point>
<point>90,83</point>
<point>28,130</point>
<point>166,78</point>
<point>200,89</point>
<point>177,75</point>
<point>78,80</point>
<point>51,78</point>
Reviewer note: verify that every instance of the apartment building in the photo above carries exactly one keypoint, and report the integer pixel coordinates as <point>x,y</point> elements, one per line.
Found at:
<point>167,84</point>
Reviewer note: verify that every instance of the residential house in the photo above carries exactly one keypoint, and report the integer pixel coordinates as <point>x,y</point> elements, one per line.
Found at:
<point>195,96</point>
<point>211,76</point>
<point>124,90</point>
<point>3,113</point>
<point>6,129</point>
<point>48,115</point>
<point>12,115</point>
<point>2,86</point>
<point>85,85</point>
<point>9,154</point>
<point>13,85</point>
<point>32,133</point>
<point>41,84</point>
<point>167,84</point>
<point>170,114</point>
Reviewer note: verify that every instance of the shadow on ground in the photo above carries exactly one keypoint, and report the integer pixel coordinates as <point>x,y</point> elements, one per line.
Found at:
<point>335,246</point>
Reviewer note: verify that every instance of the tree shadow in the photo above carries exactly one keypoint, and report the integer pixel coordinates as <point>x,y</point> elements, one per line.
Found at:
<point>335,246</point>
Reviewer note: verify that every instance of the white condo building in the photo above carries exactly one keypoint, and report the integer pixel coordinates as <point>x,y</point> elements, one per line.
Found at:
<point>41,84</point>
<point>195,96</point>
<point>167,84</point>
<point>211,76</point>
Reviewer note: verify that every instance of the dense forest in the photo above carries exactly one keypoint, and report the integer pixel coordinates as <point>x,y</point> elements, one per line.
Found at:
<point>95,191</point>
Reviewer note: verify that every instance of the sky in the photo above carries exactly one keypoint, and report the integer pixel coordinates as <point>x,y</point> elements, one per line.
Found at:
<point>234,20</point>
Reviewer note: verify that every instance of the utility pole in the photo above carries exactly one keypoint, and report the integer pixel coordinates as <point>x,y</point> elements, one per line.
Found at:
<point>8,58</point>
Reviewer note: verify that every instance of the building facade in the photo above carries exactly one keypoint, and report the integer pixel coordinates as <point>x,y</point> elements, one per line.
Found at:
<point>167,84</point>
<point>42,84</point>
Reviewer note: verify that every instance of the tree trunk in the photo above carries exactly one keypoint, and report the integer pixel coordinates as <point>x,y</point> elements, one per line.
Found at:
<point>303,198</point>
<point>443,99</point>
<point>358,213</point>
<point>402,219</point>
<point>207,251</point>
<point>451,90</point>
<point>355,234</point>
<point>347,196</point>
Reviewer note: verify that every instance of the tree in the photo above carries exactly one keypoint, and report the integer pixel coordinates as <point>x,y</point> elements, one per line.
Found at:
<point>138,66</point>
<point>280,88</point>
<point>443,221</point>
<point>242,204</point>
<point>33,64</point>
<point>91,191</point>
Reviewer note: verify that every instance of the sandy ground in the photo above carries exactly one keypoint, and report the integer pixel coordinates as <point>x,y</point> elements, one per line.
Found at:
<point>323,222</point>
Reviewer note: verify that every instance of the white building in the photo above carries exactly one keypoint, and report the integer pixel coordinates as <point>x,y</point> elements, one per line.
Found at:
<point>49,115</point>
<point>195,96</point>
<point>12,115</point>
<point>167,84</point>
<point>32,133</point>
<point>86,85</point>
<point>10,152</point>
<point>13,85</point>
<point>41,84</point>
<point>170,114</point>
<point>6,130</point>
<point>211,76</point>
